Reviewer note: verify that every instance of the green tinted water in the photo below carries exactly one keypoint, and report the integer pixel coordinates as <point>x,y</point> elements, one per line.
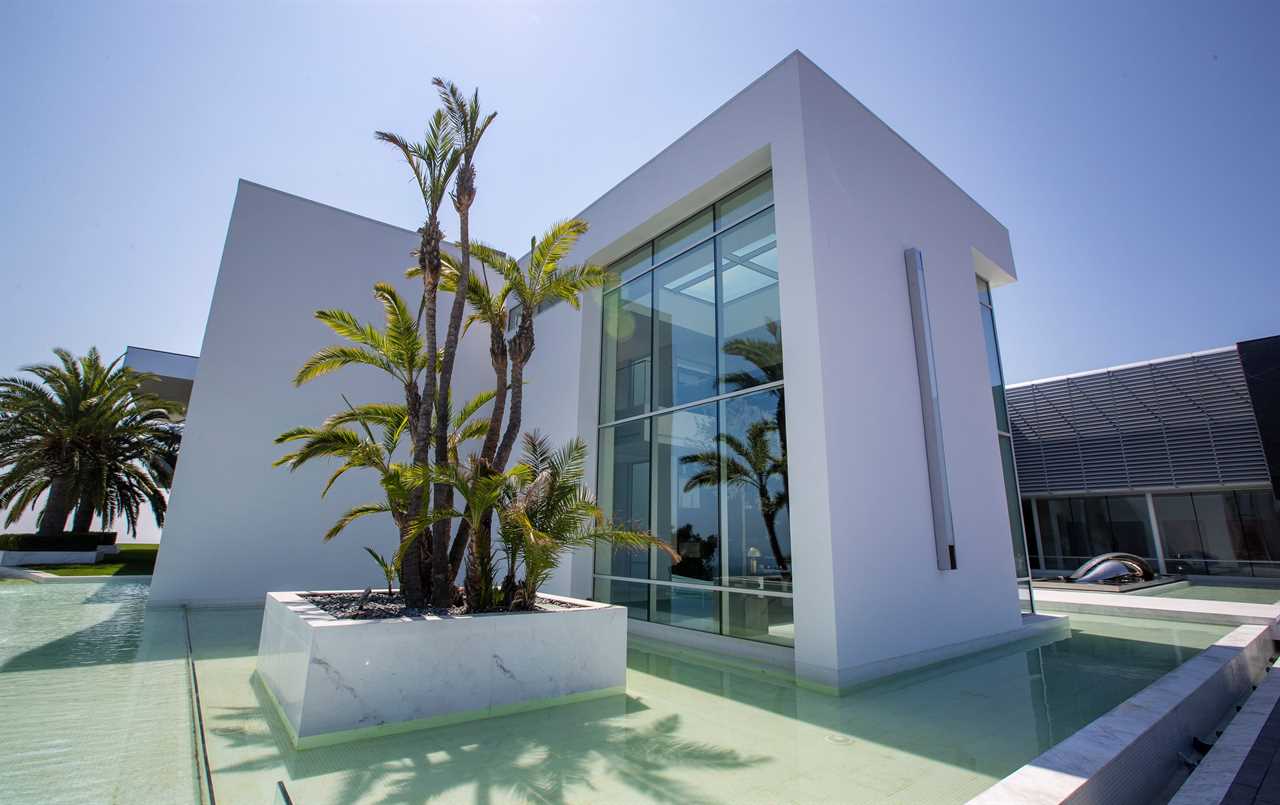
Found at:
<point>94,703</point>
<point>1208,591</point>
<point>685,731</point>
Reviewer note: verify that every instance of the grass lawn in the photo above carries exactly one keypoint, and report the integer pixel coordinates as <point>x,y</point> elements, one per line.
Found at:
<point>132,560</point>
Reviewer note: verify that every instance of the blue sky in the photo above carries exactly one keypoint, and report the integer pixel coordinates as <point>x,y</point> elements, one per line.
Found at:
<point>1131,148</point>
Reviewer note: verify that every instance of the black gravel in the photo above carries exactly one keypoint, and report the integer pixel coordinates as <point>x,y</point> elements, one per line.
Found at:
<point>376,605</point>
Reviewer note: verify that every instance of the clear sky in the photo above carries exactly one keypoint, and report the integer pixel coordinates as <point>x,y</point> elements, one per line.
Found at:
<point>1132,149</point>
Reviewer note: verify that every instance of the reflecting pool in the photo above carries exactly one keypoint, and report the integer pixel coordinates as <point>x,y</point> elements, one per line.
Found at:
<point>687,730</point>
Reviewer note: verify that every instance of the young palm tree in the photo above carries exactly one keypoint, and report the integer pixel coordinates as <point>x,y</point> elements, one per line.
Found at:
<point>397,349</point>
<point>372,445</point>
<point>752,465</point>
<point>468,125</point>
<point>526,288</point>
<point>87,437</point>
<point>433,163</point>
<point>548,512</point>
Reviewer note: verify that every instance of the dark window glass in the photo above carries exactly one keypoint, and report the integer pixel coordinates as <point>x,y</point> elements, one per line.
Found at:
<point>685,317</point>
<point>1180,533</point>
<point>1097,527</point>
<point>1064,533</point>
<point>1260,521</point>
<point>767,618</point>
<point>624,495</point>
<point>681,237</point>
<point>686,608</point>
<point>993,368</point>
<point>1014,508</point>
<point>758,547</point>
<point>1220,532</point>
<point>750,320</point>
<point>688,494</point>
<point>1028,528</point>
<point>745,202</point>
<point>626,358</point>
<point>632,595</point>
<point>1130,526</point>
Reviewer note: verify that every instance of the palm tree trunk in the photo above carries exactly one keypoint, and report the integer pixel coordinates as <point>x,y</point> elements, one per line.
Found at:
<point>442,584</point>
<point>770,524</point>
<point>83,520</point>
<point>517,412</point>
<point>415,572</point>
<point>57,507</point>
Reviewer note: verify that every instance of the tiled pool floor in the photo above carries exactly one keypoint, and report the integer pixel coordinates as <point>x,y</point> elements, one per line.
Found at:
<point>685,731</point>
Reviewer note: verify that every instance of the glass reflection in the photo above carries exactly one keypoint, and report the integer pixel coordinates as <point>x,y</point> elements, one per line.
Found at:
<point>1015,508</point>
<point>767,618</point>
<point>624,495</point>
<point>682,237</point>
<point>632,595</point>
<point>754,471</point>
<point>744,202</point>
<point>750,332</point>
<point>993,368</point>
<point>626,350</point>
<point>688,494</point>
<point>686,608</point>
<point>685,361</point>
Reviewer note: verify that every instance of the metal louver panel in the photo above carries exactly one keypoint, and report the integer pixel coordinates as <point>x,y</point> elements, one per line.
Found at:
<point>1184,421</point>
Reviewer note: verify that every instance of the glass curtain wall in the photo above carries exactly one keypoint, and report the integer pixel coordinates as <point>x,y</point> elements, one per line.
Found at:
<point>1229,533</point>
<point>693,426</point>
<point>995,375</point>
<point>1221,533</point>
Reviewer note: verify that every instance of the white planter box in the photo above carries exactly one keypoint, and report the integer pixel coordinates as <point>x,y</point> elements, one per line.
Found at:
<point>18,558</point>
<point>334,680</point>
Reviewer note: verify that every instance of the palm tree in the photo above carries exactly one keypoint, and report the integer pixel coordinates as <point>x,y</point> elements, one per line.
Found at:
<point>548,511</point>
<point>752,465</point>
<point>467,125</point>
<point>398,350</point>
<point>765,354</point>
<point>433,163</point>
<point>87,437</point>
<point>372,445</point>
<point>526,289</point>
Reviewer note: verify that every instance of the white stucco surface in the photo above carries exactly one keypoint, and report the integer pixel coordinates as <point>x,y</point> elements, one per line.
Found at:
<point>238,527</point>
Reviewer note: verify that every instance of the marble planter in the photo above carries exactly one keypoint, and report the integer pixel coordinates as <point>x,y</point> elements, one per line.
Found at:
<point>333,680</point>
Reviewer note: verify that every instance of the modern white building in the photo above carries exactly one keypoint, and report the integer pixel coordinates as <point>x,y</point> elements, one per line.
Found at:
<point>794,288</point>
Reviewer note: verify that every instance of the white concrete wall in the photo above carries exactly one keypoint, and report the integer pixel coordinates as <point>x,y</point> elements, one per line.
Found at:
<point>871,196</point>
<point>850,197</point>
<point>237,527</point>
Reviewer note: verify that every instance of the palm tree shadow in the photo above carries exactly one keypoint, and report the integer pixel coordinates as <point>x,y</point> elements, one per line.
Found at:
<point>550,756</point>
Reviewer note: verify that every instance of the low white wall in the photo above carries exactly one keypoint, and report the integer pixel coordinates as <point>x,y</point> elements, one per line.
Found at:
<point>1129,754</point>
<point>335,680</point>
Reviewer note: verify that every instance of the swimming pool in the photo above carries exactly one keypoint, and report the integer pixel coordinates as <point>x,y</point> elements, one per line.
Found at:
<point>686,730</point>
<point>1209,591</point>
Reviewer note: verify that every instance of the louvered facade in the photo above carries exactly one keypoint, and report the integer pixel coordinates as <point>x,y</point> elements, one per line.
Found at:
<point>1172,423</point>
<point>1165,459</point>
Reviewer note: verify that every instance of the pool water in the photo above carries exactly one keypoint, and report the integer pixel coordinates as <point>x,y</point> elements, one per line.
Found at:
<point>1208,591</point>
<point>94,699</point>
<point>686,730</point>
